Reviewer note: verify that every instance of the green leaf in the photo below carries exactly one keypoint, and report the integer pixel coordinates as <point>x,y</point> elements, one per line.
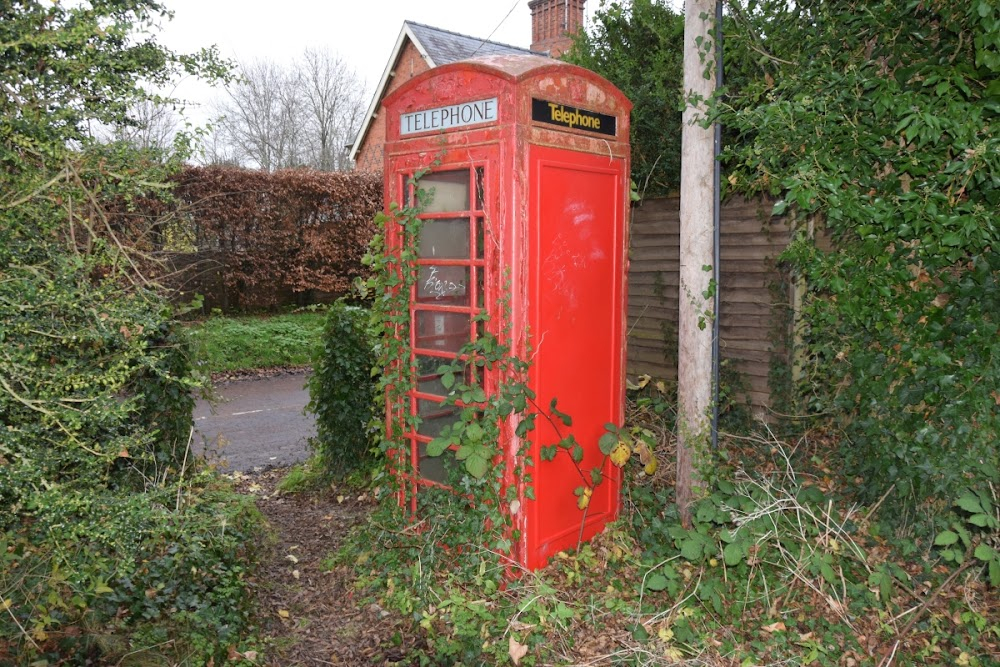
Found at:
<point>548,452</point>
<point>951,239</point>
<point>638,632</point>
<point>828,572</point>
<point>473,433</point>
<point>981,520</point>
<point>477,466</point>
<point>576,452</point>
<point>691,549</point>
<point>596,476</point>
<point>945,538</point>
<point>985,553</point>
<point>607,443</point>
<point>437,446</point>
<point>448,380</point>
<point>995,573</point>
<point>656,582</point>
<point>733,553</point>
<point>970,504</point>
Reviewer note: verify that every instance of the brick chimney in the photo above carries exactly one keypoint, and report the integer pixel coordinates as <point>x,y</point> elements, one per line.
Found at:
<point>553,24</point>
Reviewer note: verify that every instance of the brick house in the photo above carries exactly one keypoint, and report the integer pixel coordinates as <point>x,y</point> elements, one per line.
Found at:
<point>421,47</point>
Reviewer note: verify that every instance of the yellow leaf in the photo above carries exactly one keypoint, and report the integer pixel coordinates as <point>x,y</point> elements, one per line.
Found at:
<point>102,588</point>
<point>777,626</point>
<point>650,468</point>
<point>620,454</point>
<point>296,574</point>
<point>6,604</point>
<point>516,650</point>
<point>292,558</point>
<point>283,613</point>
<point>583,501</point>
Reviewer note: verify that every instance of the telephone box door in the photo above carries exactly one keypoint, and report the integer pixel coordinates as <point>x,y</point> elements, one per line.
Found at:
<point>453,261</point>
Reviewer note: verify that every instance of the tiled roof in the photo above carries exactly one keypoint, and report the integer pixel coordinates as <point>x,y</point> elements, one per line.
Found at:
<point>437,47</point>
<point>444,46</point>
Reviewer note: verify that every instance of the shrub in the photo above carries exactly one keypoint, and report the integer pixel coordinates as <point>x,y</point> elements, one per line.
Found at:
<point>98,575</point>
<point>341,390</point>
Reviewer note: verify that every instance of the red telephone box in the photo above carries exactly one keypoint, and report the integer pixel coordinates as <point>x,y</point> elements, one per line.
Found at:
<point>529,166</point>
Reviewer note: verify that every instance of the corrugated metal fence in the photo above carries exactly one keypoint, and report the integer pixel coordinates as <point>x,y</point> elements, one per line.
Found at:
<point>755,316</point>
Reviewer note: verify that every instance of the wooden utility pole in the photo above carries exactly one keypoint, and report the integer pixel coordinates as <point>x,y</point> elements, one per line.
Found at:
<point>694,330</point>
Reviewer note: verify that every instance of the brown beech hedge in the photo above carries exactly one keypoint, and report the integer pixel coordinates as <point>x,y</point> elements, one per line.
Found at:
<point>252,239</point>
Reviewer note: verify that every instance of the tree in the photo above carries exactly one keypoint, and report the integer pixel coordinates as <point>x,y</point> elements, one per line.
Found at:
<point>638,46</point>
<point>876,125</point>
<point>263,116</point>
<point>95,382</point>
<point>334,104</point>
<point>276,118</point>
<point>152,125</point>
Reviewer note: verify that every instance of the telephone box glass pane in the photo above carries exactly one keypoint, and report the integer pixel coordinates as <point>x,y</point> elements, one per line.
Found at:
<point>444,239</point>
<point>450,191</point>
<point>429,380</point>
<point>435,417</point>
<point>480,238</point>
<point>432,467</point>
<point>480,191</point>
<point>443,284</point>
<point>446,332</point>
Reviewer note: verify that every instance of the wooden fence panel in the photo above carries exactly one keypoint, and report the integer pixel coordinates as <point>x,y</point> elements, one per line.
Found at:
<point>752,309</point>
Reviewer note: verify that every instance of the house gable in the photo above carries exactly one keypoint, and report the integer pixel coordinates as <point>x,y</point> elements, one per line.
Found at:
<point>418,48</point>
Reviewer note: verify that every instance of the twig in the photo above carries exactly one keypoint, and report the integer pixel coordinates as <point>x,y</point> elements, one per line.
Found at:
<point>937,591</point>
<point>21,628</point>
<point>180,481</point>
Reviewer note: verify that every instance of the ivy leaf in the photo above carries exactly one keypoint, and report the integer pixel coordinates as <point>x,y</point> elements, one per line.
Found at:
<point>548,452</point>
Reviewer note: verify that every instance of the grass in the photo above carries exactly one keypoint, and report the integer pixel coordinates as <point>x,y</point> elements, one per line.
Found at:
<point>225,344</point>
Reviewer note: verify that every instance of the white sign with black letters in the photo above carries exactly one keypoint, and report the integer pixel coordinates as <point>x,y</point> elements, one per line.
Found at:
<point>444,118</point>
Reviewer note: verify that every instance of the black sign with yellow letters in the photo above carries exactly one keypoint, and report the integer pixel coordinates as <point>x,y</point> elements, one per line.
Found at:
<point>573,118</point>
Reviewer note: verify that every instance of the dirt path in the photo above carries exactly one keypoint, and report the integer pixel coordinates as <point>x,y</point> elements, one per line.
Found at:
<point>314,614</point>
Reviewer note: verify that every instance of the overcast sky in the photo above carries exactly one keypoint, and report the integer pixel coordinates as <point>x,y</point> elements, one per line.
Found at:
<point>362,32</point>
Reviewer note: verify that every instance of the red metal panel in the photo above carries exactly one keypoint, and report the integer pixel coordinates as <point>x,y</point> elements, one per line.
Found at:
<point>577,309</point>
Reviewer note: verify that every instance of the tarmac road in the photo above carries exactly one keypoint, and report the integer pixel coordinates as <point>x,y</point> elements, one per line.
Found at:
<point>257,424</point>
